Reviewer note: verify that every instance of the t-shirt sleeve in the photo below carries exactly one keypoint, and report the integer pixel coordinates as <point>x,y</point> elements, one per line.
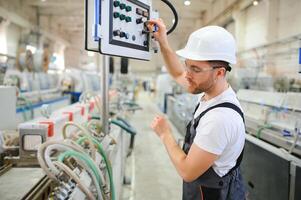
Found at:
<point>211,133</point>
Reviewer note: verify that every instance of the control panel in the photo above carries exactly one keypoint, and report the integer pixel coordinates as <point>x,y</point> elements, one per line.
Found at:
<point>118,27</point>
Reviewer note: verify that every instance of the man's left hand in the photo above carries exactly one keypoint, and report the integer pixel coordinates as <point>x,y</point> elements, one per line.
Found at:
<point>161,126</point>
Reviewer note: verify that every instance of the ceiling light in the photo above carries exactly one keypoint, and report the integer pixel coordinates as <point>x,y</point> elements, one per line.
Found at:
<point>187,2</point>
<point>255,3</point>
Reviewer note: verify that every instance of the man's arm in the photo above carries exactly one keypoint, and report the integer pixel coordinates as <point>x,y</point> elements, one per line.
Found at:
<point>190,166</point>
<point>172,62</point>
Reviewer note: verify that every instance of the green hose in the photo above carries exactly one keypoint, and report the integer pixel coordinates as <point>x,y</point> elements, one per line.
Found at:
<point>124,126</point>
<point>132,104</point>
<point>259,131</point>
<point>108,165</point>
<point>82,157</point>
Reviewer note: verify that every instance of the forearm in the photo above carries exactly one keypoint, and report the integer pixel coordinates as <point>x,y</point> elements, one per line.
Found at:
<point>176,155</point>
<point>171,60</point>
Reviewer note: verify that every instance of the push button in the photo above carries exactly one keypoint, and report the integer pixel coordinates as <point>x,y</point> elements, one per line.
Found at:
<point>122,6</point>
<point>145,14</point>
<point>128,9</point>
<point>122,34</point>
<point>116,14</point>
<point>139,11</point>
<point>122,17</point>
<point>116,3</point>
<point>116,32</point>
<point>128,19</point>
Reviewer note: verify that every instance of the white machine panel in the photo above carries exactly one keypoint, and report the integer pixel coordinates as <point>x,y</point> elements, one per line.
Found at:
<point>8,118</point>
<point>91,42</point>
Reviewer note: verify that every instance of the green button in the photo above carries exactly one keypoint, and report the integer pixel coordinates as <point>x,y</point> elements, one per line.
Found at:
<point>122,17</point>
<point>116,14</point>
<point>122,6</point>
<point>116,3</point>
<point>128,8</point>
<point>128,19</point>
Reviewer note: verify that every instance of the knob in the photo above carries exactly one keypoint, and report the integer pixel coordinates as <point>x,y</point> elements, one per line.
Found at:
<point>122,34</point>
<point>145,43</point>
<point>141,20</point>
<point>116,32</point>
<point>116,14</point>
<point>122,17</point>
<point>127,36</point>
<point>116,3</point>
<point>122,6</point>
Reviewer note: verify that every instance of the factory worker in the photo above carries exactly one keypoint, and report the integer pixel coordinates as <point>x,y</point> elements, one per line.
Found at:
<point>215,137</point>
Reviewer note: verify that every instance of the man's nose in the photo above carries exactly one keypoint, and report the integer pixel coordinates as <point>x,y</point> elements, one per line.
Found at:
<point>188,74</point>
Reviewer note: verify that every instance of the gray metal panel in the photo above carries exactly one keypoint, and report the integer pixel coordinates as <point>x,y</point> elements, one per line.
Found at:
<point>298,183</point>
<point>266,174</point>
<point>17,182</point>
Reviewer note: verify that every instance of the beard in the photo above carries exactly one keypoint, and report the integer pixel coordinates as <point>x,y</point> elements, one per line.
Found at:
<point>205,86</point>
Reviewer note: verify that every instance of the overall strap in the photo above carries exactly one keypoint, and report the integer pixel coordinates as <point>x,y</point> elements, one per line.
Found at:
<point>224,105</point>
<point>233,107</point>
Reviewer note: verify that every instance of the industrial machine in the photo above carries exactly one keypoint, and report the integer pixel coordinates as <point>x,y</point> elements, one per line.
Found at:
<point>274,129</point>
<point>78,159</point>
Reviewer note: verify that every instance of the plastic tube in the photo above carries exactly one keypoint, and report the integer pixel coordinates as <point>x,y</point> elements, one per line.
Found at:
<point>85,131</point>
<point>72,175</point>
<point>83,157</point>
<point>123,126</point>
<point>108,164</point>
<point>40,153</point>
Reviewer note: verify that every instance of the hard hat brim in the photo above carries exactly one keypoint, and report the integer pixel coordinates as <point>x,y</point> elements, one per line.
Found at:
<point>195,56</point>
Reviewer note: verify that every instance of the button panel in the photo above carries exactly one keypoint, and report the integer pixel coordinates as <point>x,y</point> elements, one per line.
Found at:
<point>129,17</point>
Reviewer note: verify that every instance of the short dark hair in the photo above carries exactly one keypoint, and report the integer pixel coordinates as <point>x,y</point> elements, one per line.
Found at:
<point>220,63</point>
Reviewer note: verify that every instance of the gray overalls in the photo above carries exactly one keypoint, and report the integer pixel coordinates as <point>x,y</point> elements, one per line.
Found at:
<point>210,186</point>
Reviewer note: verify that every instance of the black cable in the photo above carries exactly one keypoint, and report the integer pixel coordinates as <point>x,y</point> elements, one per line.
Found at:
<point>175,14</point>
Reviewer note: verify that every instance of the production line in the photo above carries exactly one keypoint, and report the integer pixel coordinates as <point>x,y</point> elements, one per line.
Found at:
<point>143,99</point>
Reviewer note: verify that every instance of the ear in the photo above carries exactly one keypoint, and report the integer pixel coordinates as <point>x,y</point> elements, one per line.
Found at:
<point>221,72</point>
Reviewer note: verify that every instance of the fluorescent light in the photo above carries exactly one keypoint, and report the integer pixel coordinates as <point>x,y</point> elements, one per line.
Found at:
<point>255,3</point>
<point>187,2</point>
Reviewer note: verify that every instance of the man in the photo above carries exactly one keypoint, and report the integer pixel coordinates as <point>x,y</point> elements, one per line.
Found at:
<point>214,141</point>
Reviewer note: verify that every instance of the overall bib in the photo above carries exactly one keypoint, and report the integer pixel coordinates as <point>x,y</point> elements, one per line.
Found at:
<point>210,186</point>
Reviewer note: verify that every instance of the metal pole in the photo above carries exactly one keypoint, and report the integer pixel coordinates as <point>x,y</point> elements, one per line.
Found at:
<point>105,95</point>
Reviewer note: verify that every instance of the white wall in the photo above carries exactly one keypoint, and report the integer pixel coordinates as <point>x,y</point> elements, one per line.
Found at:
<point>269,23</point>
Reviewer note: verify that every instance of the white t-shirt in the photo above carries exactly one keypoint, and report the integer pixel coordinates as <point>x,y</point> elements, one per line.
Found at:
<point>221,131</point>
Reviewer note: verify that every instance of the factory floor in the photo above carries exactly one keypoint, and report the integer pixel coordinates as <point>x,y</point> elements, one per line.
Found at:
<point>154,177</point>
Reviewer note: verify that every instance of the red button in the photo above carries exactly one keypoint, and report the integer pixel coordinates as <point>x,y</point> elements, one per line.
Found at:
<point>70,115</point>
<point>82,111</point>
<point>92,105</point>
<point>50,128</point>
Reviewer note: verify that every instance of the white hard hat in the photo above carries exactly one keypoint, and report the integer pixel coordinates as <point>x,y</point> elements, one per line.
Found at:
<point>210,43</point>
